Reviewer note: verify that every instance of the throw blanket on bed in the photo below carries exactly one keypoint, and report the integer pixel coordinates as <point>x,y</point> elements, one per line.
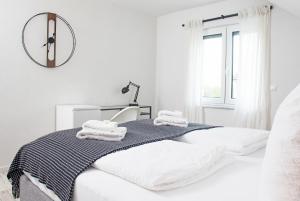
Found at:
<point>58,158</point>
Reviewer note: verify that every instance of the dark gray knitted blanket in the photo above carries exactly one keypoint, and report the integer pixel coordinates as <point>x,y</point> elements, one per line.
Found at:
<point>58,158</point>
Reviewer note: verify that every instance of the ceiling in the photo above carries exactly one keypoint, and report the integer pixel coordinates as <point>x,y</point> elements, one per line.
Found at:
<point>293,6</point>
<point>161,7</point>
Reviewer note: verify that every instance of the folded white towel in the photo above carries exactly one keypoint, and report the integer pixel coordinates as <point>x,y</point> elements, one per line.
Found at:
<point>170,124</point>
<point>102,125</point>
<point>171,121</point>
<point>116,134</point>
<point>170,113</point>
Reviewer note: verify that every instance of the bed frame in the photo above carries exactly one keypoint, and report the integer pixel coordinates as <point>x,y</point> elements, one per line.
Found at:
<point>30,192</point>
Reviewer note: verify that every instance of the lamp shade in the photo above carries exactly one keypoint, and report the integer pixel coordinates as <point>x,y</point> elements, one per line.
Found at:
<point>125,89</point>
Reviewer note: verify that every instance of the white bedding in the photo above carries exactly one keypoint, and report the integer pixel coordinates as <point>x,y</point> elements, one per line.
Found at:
<point>164,165</point>
<point>238,141</point>
<point>236,182</point>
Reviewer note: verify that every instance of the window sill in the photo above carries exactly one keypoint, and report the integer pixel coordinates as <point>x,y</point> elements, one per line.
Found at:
<point>219,106</point>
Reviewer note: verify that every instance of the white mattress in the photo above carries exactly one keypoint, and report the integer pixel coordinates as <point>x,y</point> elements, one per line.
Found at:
<point>236,182</point>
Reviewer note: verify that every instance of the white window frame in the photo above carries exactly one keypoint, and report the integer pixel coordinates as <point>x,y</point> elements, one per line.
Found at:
<point>225,101</point>
<point>216,31</point>
<point>229,64</point>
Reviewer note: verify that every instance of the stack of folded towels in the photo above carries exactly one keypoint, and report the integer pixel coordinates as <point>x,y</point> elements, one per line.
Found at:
<point>102,130</point>
<point>170,118</point>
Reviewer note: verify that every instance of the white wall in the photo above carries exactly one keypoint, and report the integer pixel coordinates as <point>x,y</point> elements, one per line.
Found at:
<point>172,48</point>
<point>290,5</point>
<point>285,54</point>
<point>114,45</point>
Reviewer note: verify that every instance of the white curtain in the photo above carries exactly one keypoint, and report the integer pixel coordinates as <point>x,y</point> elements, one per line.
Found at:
<point>253,103</point>
<point>193,104</point>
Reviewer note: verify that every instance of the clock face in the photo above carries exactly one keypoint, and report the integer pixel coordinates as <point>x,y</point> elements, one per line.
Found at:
<point>48,40</point>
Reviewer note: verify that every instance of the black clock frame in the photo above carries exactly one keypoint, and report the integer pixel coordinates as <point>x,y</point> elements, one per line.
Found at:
<point>70,29</point>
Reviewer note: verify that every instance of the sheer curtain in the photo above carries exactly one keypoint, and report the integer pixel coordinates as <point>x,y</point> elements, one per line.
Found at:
<point>253,103</point>
<point>193,104</point>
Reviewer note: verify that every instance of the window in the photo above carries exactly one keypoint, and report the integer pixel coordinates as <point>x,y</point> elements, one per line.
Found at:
<point>235,55</point>
<point>212,60</point>
<point>220,64</point>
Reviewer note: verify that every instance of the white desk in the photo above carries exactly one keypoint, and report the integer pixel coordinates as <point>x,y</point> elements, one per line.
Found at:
<point>73,116</point>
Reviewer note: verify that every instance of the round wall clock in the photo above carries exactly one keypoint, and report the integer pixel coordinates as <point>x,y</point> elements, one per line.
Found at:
<point>48,39</point>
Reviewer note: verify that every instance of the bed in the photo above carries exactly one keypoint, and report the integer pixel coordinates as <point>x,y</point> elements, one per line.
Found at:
<point>151,163</point>
<point>237,181</point>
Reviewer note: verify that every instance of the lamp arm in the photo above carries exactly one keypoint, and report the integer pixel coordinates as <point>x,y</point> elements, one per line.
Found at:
<point>133,84</point>
<point>136,94</point>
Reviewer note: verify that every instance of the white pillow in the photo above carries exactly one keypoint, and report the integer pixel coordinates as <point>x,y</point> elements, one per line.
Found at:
<point>281,167</point>
<point>238,141</point>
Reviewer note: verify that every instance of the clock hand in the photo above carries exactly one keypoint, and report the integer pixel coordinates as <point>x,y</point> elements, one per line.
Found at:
<point>49,47</point>
<point>50,40</point>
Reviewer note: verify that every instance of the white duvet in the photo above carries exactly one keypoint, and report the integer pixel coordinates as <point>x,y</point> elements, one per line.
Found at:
<point>164,165</point>
<point>237,141</point>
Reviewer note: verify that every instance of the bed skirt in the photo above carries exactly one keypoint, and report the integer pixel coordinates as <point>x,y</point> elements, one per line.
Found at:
<point>30,192</point>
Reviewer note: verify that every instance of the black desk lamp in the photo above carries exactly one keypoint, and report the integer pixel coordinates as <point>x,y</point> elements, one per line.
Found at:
<point>126,89</point>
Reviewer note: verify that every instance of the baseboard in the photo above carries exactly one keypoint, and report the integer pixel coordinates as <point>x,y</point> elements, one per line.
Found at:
<point>4,169</point>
